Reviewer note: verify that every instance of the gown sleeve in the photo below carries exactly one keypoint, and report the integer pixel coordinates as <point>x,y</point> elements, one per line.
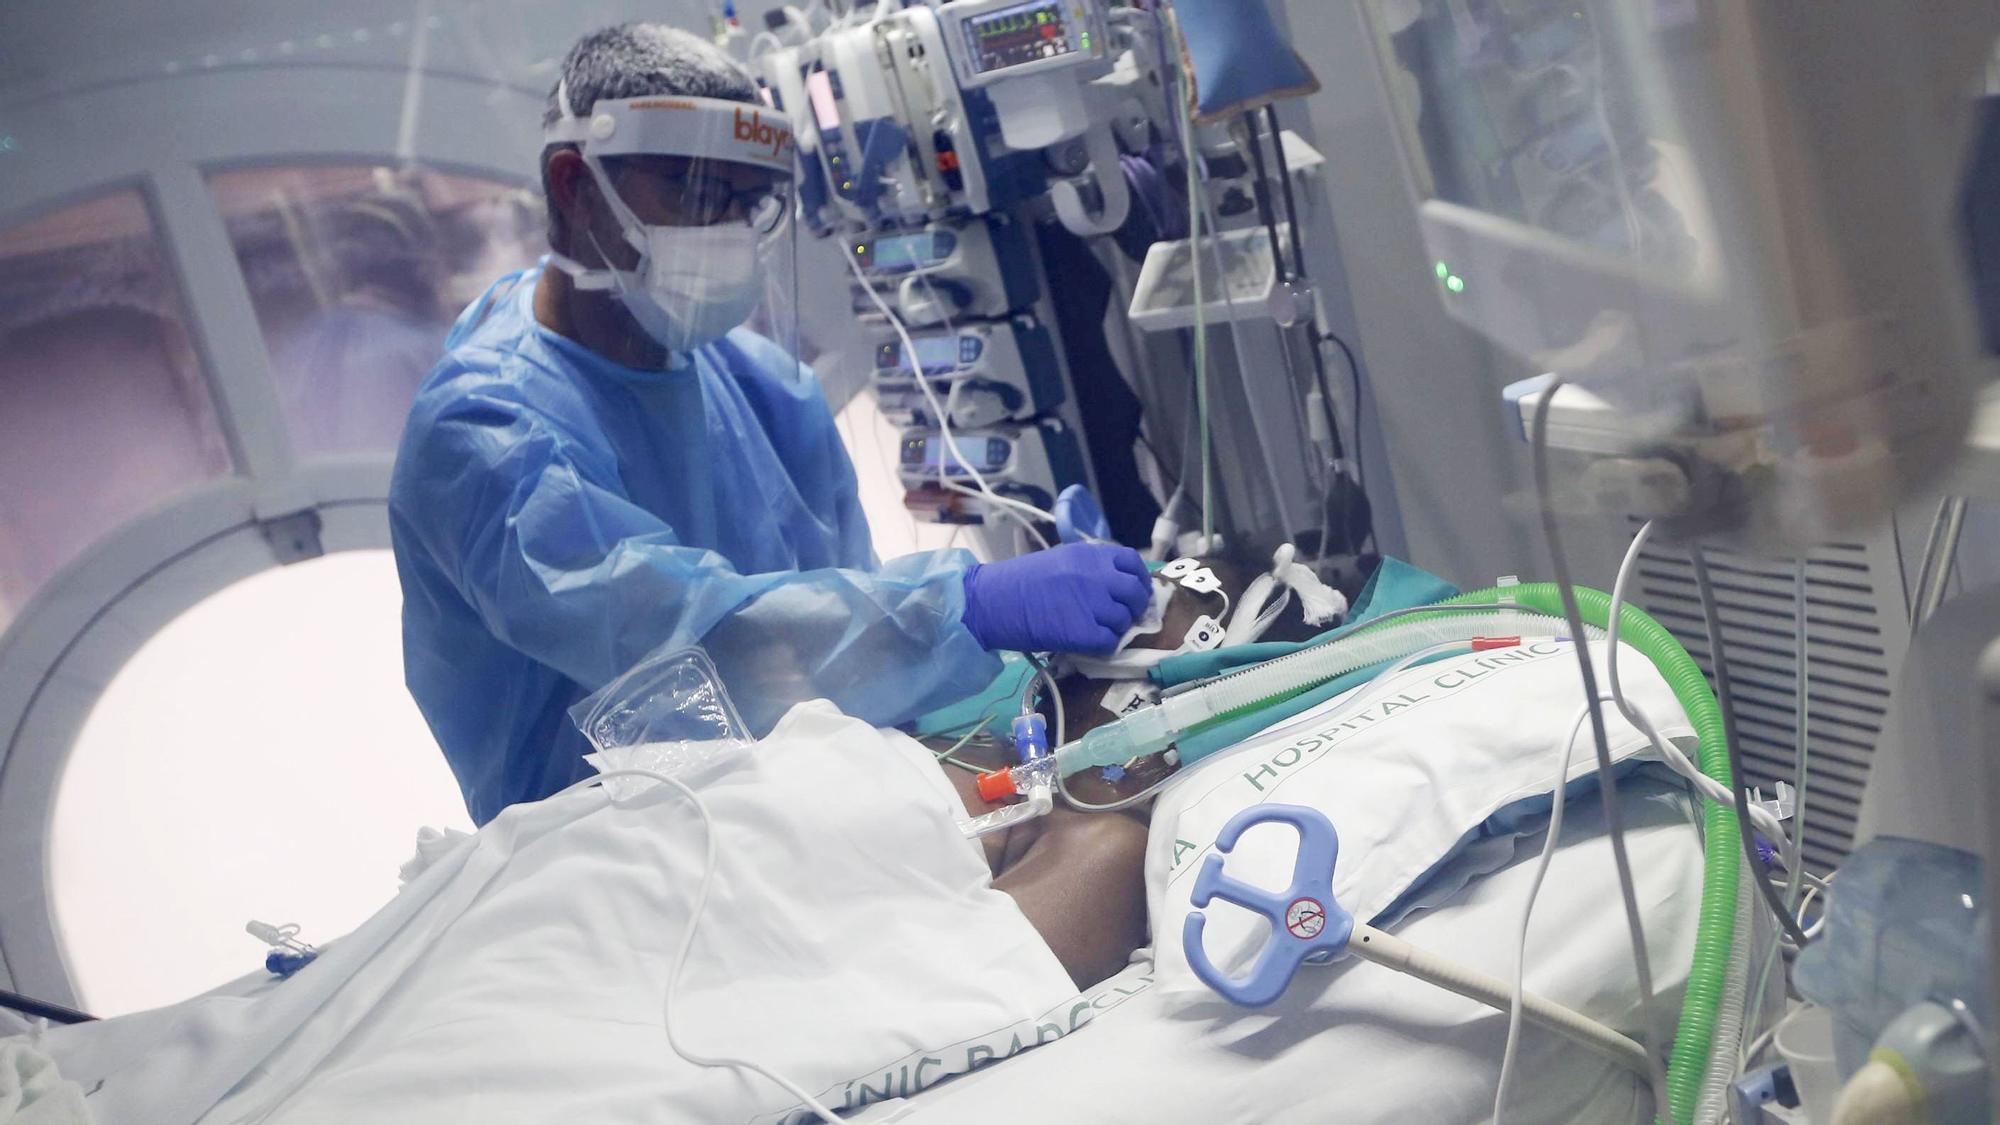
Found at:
<point>529,516</point>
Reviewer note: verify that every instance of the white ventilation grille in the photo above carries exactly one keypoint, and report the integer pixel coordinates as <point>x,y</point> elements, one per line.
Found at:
<point>1856,631</point>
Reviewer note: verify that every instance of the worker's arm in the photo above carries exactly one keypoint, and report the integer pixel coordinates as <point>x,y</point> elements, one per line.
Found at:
<point>536,529</point>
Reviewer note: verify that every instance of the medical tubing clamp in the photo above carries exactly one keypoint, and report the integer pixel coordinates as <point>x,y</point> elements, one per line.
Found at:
<point>1248,690</point>
<point>1309,927</point>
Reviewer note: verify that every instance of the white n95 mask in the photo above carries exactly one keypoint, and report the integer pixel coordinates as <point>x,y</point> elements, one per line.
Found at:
<point>694,284</point>
<point>691,285</point>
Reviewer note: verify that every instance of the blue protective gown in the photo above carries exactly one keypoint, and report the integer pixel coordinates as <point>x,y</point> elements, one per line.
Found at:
<point>556,517</point>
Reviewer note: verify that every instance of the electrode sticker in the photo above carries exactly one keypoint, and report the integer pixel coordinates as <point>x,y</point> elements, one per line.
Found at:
<point>1202,581</point>
<point>1203,635</point>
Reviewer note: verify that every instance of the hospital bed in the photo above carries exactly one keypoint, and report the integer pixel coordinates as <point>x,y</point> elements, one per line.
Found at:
<point>520,975</point>
<point>1374,1046</point>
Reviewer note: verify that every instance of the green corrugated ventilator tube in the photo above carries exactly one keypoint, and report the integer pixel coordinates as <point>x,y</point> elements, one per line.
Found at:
<point>1146,730</point>
<point>1722,867</point>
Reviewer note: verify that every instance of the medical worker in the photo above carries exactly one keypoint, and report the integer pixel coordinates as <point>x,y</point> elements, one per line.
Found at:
<point>605,463</point>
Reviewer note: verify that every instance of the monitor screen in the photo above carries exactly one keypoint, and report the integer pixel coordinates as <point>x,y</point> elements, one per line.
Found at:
<point>936,354</point>
<point>1012,36</point>
<point>988,454</point>
<point>819,89</point>
<point>902,251</point>
<point>1543,113</point>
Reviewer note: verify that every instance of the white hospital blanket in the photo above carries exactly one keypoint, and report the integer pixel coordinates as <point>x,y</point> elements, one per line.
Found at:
<point>31,1090</point>
<point>1437,750</point>
<point>522,977</point>
<point>1356,1044</point>
<point>854,943</point>
<point>1441,749</point>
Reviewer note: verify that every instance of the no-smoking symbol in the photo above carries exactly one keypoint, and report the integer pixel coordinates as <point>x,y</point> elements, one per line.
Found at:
<point>1305,918</point>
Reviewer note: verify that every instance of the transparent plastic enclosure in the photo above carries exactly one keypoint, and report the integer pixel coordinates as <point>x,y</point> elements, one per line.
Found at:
<point>669,714</point>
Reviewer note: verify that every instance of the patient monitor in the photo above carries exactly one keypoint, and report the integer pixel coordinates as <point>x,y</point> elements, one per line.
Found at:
<point>1732,221</point>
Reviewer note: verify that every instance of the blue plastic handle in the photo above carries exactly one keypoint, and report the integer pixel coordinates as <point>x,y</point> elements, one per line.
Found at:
<point>1306,924</point>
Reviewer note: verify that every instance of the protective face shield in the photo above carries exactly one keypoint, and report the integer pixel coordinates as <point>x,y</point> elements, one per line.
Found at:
<point>701,191</point>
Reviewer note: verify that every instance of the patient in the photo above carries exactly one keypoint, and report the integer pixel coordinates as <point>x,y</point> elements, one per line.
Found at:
<point>1079,876</point>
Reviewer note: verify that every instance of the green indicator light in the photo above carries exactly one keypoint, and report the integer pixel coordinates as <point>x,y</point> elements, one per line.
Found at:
<point>1444,271</point>
<point>1455,284</point>
<point>1086,40</point>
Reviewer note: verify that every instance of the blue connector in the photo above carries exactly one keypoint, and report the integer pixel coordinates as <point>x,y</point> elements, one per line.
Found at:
<point>1031,737</point>
<point>285,962</point>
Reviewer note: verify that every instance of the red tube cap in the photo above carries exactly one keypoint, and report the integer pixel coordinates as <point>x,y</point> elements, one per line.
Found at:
<point>996,786</point>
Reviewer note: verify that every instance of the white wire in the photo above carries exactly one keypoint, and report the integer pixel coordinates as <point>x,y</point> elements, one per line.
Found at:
<point>948,407</point>
<point>1758,1044</point>
<point>1794,859</point>
<point>708,865</point>
<point>1055,695</point>
<point>1621,860</point>
<point>1528,910</point>
<point>1767,822</point>
<point>1819,924</point>
<point>985,491</point>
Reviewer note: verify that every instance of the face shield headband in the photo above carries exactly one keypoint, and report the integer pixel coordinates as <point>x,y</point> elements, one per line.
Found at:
<point>670,125</point>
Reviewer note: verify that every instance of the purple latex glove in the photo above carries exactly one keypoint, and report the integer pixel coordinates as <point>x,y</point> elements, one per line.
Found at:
<point>1077,597</point>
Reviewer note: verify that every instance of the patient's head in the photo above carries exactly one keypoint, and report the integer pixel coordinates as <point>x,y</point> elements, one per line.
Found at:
<point>1095,692</point>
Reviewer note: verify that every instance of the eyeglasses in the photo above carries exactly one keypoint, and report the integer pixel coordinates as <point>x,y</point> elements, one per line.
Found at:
<point>688,194</point>
<point>707,202</point>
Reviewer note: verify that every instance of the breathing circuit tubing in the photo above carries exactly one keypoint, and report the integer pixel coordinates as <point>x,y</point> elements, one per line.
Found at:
<point>1520,610</point>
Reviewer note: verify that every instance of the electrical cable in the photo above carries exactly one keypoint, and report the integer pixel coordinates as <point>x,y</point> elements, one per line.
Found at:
<point>1298,271</point>
<point>1758,1044</point>
<point>1316,335</point>
<point>1765,821</point>
<point>1819,923</point>
<point>945,757</point>
<point>1795,855</point>
<point>708,866</point>
<point>950,405</point>
<point>1614,819</point>
<point>1171,480</point>
<point>1801,722</point>
<point>1354,378</point>
<point>1055,697</point>
<point>1004,504</point>
<point>1267,213</point>
<point>1559,798</point>
<point>1285,183</point>
<point>1200,313</point>
<point>1243,364</point>
<point>42,1009</point>
<point>1712,621</point>
<point>945,410</point>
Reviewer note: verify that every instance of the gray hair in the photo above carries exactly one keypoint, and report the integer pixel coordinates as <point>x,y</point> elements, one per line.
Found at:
<point>636,60</point>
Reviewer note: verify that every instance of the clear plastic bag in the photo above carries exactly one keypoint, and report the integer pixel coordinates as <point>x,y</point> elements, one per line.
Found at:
<point>669,714</point>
